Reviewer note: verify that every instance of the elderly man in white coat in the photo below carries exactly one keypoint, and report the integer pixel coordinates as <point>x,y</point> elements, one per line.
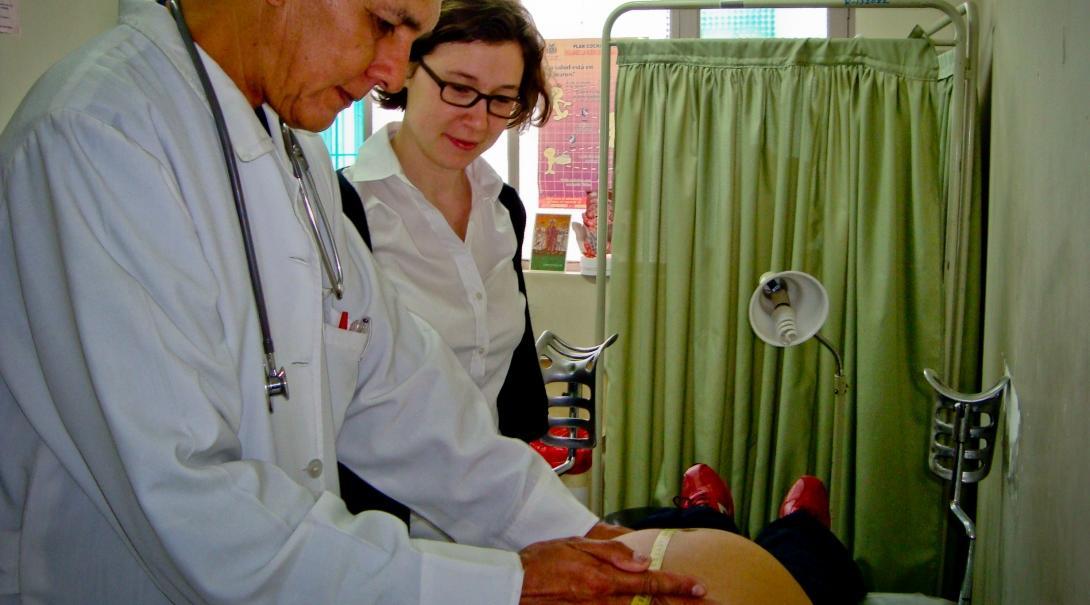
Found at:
<point>141,460</point>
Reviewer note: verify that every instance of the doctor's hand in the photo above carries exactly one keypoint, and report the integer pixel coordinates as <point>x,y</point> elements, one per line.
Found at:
<point>576,570</point>
<point>606,531</point>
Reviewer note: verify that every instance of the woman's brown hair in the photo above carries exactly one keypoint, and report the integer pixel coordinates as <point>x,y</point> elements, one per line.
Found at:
<point>491,22</point>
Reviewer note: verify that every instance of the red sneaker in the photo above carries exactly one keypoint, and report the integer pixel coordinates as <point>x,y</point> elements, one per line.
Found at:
<point>808,494</point>
<point>702,486</point>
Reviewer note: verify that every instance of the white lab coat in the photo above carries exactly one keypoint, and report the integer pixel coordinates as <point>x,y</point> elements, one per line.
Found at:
<point>140,464</point>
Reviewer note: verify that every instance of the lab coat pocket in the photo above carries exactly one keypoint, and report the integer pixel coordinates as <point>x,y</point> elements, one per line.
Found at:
<point>343,352</point>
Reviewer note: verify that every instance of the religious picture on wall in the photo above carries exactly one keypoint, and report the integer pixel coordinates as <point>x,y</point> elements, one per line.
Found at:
<point>550,241</point>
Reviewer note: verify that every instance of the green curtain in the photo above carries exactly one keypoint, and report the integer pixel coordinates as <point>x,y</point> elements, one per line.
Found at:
<point>737,157</point>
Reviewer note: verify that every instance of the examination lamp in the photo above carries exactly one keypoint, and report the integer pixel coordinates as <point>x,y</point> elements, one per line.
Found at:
<point>787,309</point>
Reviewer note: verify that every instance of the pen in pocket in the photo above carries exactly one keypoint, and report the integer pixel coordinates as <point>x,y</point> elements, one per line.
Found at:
<point>360,325</point>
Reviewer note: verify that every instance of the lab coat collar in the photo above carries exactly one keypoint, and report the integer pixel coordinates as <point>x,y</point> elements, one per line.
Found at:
<point>248,137</point>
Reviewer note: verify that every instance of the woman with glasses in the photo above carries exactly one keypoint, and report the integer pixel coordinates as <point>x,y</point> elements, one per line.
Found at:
<point>443,226</point>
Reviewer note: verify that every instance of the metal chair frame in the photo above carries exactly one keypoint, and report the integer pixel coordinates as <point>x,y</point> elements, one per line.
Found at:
<point>577,368</point>
<point>963,438</point>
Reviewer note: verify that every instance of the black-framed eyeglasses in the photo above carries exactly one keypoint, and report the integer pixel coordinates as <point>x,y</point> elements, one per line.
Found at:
<point>460,95</point>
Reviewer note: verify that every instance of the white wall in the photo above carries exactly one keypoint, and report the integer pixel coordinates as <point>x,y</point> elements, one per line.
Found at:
<point>50,29</point>
<point>563,303</point>
<point>891,23</point>
<point>1033,516</point>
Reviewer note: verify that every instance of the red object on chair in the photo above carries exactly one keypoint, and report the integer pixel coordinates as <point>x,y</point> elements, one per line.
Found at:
<point>556,456</point>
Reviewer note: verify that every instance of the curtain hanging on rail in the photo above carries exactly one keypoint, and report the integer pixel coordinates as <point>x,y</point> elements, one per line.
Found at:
<point>737,157</point>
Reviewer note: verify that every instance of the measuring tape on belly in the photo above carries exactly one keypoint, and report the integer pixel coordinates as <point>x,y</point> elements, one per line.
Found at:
<point>658,552</point>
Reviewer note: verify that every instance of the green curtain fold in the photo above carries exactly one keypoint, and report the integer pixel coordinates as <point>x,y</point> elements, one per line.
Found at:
<point>737,157</point>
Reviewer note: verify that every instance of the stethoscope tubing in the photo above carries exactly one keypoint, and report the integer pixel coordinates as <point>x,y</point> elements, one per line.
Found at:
<point>331,261</point>
<point>275,380</point>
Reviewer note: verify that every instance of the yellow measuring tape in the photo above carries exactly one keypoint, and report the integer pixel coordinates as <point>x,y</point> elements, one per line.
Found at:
<point>658,551</point>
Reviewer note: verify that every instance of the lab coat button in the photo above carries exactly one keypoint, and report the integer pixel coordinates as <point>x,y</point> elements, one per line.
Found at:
<point>479,295</point>
<point>314,468</point>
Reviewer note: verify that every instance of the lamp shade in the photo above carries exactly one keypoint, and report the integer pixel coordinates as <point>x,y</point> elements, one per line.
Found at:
<point>788,308</point>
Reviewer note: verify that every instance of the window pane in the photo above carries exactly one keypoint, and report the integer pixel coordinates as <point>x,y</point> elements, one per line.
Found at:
<point>585,19</point>
<point>345,136</point>
<point>764,23</point>
<point>381,117</point>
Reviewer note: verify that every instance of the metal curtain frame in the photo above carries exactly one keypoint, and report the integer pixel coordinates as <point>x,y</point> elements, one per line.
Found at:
<point>959,167</point>
<point>958,122</point>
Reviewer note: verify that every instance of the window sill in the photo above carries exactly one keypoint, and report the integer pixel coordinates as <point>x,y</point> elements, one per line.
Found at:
<point>570,268</point>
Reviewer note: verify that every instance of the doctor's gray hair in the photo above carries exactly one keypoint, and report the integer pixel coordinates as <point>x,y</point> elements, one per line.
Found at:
<point>492,22</point>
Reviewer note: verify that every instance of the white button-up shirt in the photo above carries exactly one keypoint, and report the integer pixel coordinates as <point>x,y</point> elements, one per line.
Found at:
<point>467,290</point>
<point>140,463</point>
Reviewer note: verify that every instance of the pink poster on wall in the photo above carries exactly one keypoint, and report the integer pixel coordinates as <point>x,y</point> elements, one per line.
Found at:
<point>568,144</point>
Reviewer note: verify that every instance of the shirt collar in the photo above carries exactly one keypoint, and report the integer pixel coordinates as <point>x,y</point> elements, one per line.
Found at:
<point>377,161</point>
<point>248,138</point>
<point>485,181</point>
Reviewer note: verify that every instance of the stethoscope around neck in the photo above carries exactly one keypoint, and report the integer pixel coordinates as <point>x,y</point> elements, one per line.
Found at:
<point>276,380</point>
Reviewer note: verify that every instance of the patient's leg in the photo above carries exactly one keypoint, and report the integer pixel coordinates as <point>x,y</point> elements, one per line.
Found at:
<point>734,569</point>
<point>813,555</point>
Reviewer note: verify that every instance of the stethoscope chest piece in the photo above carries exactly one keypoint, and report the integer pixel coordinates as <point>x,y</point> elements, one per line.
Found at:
<point>276,382</point>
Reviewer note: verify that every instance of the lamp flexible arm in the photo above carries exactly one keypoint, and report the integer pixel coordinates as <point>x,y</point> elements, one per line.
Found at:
<point>832,349</point>
<point>841,384</point>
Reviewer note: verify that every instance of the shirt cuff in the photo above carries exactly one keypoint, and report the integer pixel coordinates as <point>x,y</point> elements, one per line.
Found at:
<point>550,512</point>
<point>453,573</point>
